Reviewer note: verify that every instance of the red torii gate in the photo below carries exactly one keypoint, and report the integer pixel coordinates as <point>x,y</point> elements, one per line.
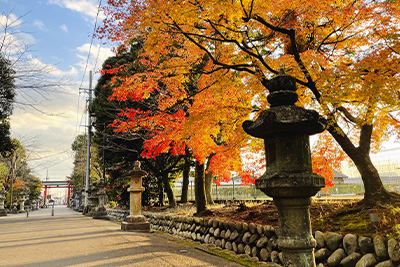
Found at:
<point>56,184</point>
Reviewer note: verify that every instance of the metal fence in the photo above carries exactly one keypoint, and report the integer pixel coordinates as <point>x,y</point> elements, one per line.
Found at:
<point>249,192</point>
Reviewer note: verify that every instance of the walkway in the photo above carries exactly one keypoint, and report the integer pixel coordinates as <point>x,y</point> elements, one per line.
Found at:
<point>71,239</point>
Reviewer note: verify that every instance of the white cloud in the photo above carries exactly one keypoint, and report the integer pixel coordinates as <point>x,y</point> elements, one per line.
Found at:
<point>10,20</point>
<point>86,7</point>
<point>13,42</point>
<point>64,28</point>
<point>97,56</point>
<point>52,70</point>
<point>54,134</point>
<point>39,24</point>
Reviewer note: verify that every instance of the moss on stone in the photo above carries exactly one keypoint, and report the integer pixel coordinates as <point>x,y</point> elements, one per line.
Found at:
<point>356,220</point>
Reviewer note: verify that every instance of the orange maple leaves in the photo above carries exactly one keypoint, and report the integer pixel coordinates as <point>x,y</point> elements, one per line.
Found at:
<point>209,60</point>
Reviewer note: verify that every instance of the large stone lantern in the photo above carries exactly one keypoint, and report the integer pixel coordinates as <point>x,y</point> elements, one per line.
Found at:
<point>3,211</point>
<point>136,221</point>
<point>289,179</point>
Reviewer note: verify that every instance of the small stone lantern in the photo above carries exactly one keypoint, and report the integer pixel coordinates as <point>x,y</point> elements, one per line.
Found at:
<point>100,211</point>
<point>22,204</point>
<point>3,211</point>
<point>81,204</point>
<point>92,200</point>
<point>289,179</point>
<point>135,221</point>
<point>14,209</point>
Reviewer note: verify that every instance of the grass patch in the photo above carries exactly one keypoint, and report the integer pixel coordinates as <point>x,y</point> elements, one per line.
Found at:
<point>354,218</point>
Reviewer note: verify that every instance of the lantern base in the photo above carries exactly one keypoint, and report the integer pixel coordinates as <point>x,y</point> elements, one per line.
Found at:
<point>3,212</point>
<point>100,213</point>
<point>135,223</point>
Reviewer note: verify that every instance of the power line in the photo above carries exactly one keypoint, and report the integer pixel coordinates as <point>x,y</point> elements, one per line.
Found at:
<point>78,123</point>
<point>91,43</point>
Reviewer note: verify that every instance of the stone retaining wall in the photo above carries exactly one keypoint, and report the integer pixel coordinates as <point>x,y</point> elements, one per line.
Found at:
<point>259,241</point>
<point>117,214</point>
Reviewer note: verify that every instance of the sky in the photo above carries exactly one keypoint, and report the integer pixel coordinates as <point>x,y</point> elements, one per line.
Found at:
<point>59,36</point>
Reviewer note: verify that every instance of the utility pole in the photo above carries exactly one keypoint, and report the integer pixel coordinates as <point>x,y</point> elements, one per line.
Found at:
<point>104,144</point>
<point>13,172</point>
<point>88,142</point>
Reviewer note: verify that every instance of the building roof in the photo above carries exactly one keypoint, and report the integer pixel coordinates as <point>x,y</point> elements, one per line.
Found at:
<point>337,174</point>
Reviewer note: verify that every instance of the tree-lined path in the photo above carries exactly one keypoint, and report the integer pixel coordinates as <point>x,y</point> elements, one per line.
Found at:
<point>70,239</point>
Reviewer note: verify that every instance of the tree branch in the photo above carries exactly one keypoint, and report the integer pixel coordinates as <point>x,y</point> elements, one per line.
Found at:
<point>347,114</point>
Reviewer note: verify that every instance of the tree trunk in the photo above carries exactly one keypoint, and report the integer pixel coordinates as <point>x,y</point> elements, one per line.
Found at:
<point>374,189</point>
<point>199,181</point>
<point>208,187</point>
<point>168,190</point>
<point>375,192</point>
<point>185,182</point>
<point>209,180</point>
<point>160,193</point>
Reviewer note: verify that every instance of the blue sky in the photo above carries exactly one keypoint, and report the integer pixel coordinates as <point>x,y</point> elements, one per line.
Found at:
<point>58,33</point>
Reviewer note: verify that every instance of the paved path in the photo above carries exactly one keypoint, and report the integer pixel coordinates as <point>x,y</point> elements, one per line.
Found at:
<point>71,239</point>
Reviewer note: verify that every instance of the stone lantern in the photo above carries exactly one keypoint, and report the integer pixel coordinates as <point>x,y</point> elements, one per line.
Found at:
<point>14,209</point>
<point>100,211</point>
<point>289,179</point>
<point>75,200</point>
<point>22,203</point>
<point>135,221</point>
<point>3,211</point>
<point>27,203</point>
<point>81,198</point>
<point>34,205</point>
<point>92,200</point>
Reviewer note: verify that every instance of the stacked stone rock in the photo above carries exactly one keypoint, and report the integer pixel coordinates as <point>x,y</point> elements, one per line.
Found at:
<point>259,241</point>
<point>117,214</point>
<point>254,240</point>
<point>351,250</point>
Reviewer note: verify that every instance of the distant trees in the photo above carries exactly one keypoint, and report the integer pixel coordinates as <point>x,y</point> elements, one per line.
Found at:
<point>7,97</point>
<point>16,176</point>
<point>78,176</point>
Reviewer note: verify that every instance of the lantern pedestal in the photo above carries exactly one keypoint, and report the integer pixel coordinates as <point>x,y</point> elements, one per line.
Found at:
<point>135,223</point>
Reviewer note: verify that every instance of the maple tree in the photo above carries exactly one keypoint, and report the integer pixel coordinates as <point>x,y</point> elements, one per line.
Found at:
<point>15,174</point>
<point>126,143</point>
<point>343,54</point>
<point>173,125</point>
